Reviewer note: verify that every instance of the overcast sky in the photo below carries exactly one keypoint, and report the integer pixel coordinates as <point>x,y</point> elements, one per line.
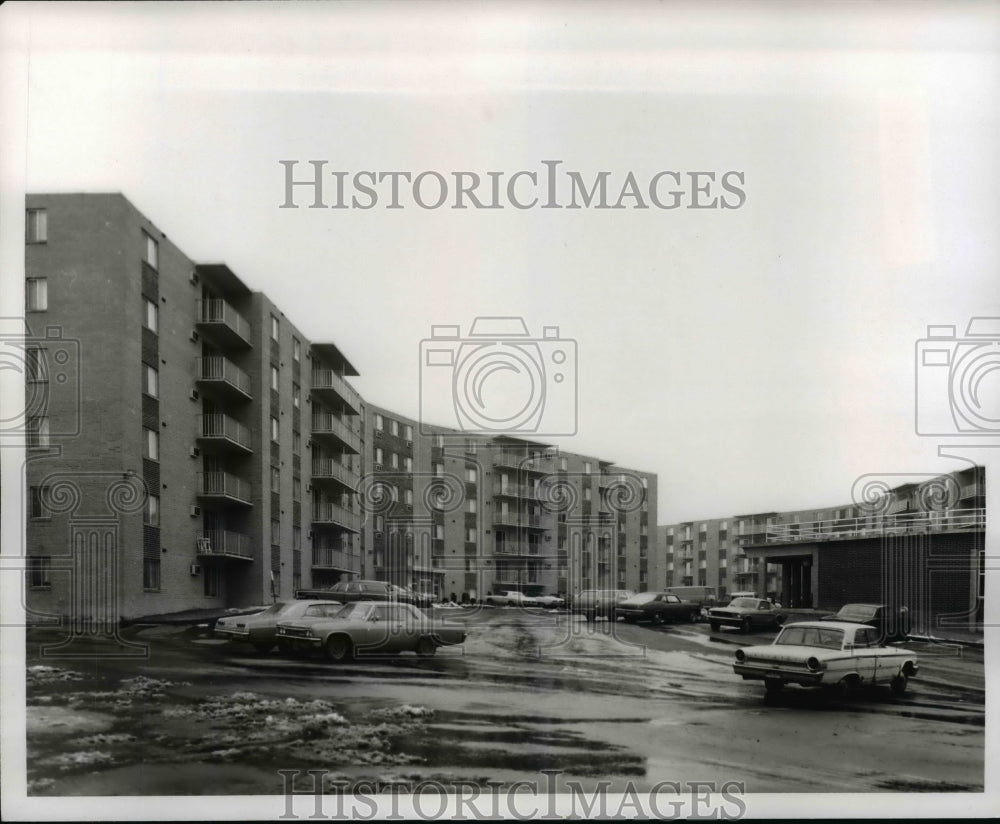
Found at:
<point>757,358</point>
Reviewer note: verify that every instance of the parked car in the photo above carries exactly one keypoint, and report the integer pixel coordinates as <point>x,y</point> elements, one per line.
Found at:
<point>892,626</point>
<point>550,601</point>
<point>349,591</point>
<point>705,597</point>
<point>371,627</point>
<point>747,614</point>
<point>593,603</point>
<point>260,628</point>
<point>744,594</point>
<point>510,598</point>
<point>658,608</point>
<point>840,655</point>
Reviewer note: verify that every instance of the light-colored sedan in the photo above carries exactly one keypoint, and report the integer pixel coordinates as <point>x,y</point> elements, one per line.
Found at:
<point>835,654</point>
<point>371,627</point>
<point>510,598</point>
<point>260,628</point>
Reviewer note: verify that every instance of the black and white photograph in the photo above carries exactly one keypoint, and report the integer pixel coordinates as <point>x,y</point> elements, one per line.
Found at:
<point>445,411</point>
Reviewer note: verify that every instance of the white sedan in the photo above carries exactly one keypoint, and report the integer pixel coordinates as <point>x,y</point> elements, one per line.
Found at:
<point>260,628</point>
<point>510,598</point>
<point>834,654</point>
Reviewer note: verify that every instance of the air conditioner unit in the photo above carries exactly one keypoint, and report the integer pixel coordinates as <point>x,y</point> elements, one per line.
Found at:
<point>195,452</point>
<point>194,394</point>
<point>409,443</point>
<point>378,534</point>
<point>378,467</point>
<point>195,511</point>
<point>194,278</point>
<point>409,507</point>
<point>196,569</point>
<point>194,336</point>
<point>378,433</point>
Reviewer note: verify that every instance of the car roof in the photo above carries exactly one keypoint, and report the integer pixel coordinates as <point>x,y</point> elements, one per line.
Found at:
<point>859,604</point>
<point>828,625</point>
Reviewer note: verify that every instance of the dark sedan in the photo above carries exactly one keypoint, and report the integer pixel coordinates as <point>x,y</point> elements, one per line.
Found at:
<point>657,608</point>
<point>349,591</point>
<point>746,614</point>
<point>892,625</point>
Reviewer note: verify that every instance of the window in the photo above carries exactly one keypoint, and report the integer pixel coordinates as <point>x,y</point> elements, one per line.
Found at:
<point>152,444</point>
<point>151,515</point>
<point>394,428</point>
<point>38,432</point>
<point>378,454</point>
<point>275,532</point>
<point>408,432</point>
<point>296,349</point>
<point>296,537</point>
<point>213,578</point>
<point>39,567</point>
<point>408,497</point>
<point>152,381</point>
<point>274,378</point>
<point>379,523</point>
<point>37,496</point>
<point>470,474</point>
<point>586,493</point>
<point>34,364</point>
<point>37,226</point>
<point>37,294</point>
<point>438,470</point>
<point>151,318</point>
<point>275,479</point>
<point>563,464</point>
<point>379,422</point>
<point>394,460</point>
<point>274,328</point>
<point>296,395</point>
<point>470,535</point>
<point>152,252</point>
<point>296,489</point>
<point>274,429</point>
<point>586,467</point>
<point>151,573</point>
<point>296,443</point>
<point>472,504</point>
<point>408,463</point>
<point>439,532</point>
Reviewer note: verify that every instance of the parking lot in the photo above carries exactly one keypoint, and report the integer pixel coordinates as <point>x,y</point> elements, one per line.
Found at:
<point>529,690</point>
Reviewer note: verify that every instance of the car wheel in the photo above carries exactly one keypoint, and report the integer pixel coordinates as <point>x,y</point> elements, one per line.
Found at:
<point>714,626</point>
<point>339,648</point>
<point>658,618</point>
<point>746,626</point>
<point>426,647</point>
<point>285,649</point>
<point>898,684</point>
<point>591,616</point>
<point>772,686</point>
<point>846,688</point>
<point>694,616</point>
<point>779,620</point>
<point>262,647</point>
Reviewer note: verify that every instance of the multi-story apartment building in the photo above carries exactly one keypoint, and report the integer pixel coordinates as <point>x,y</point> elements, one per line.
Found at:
<point>190,447</point>
<point>464,515</point>
<point>776,553</point>
<point>160,383</point>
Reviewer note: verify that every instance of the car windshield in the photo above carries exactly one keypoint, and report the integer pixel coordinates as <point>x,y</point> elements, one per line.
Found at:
<point>359,609</point>
<point>858,613</point>
<point>743,603</point>
<point>274,609</point>
<point>643,598</point>
<point>826,637</point>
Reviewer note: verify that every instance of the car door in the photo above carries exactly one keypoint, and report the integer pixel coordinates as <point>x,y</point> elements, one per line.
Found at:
<point>372,632</point>
<point>671,606</point>
<point>864,653</point>
<point>764,616</point>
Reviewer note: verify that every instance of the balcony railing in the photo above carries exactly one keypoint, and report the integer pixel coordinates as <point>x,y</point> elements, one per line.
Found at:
<point>541,463</point>
<point>220,543</point>
<point>906,523</point>
<point>327,425</point>
<point>327,512</point>
<point>327,469</point>
<point>334,558</point>
<point>518,491</point>
<point>519,520</point>
<point>221,371</point>
<point>326,381</point>
<point>219,316</point>
<point>218,427</point>
<point>225,485</point>
<point>517,548</point>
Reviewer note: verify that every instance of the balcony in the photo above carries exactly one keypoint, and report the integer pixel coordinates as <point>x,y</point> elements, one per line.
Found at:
<point>327,513</point>
<point>223,323</point>
<point>517,491</point>
<point>329,385</point>
<point>334,558</point>
<point>526,463</point>
<point>329,426</point>
<point>520,520</point>
<point>904,523</point>
<point>327,470</point>
<point>224,486</point>
<point>517,548</point>
<point>219,543</point>
<point>224,432</point>
<point>222,374</point>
